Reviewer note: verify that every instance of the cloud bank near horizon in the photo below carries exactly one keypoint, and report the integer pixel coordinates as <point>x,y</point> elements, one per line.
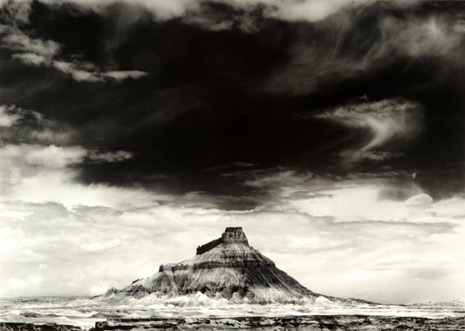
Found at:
<point>345,229</point>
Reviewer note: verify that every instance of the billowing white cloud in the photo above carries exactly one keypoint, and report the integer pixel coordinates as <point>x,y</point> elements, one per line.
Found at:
<point>310,10</point>
<point>28,167</point>
<point>101,246</point>
<point>52,156</point>
<point>419,200</point>
<point>160,9</point>
<point>11,115</point>
<point>19,10</point>
<point>31,59</point>
<point>41,173</point>
<point>25,282</point>
<point>7,118</point>
<point>46,216</point>
<point>32,128</point>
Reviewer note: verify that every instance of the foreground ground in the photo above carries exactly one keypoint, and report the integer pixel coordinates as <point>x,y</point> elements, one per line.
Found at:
<point>202,313</point>
<point>313,323</point>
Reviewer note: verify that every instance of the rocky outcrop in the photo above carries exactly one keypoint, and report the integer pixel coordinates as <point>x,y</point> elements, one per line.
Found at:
<point>234,236</point>
<point>212,244</point>
<point>225,267</point>
<point>230,236</point>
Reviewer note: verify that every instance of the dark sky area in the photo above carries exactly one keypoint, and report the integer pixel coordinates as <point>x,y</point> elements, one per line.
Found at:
<point>224,92</point>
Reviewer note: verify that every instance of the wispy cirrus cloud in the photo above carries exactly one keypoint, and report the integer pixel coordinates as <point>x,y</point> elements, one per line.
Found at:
<point>436,37</point>
<point>17,41</point>
<point>38,52</point>
<point>117,156</point>
<point>88,72</point>
<point>389,121</point>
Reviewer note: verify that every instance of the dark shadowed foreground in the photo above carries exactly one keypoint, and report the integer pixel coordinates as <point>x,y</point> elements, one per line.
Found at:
<point>315,323</point>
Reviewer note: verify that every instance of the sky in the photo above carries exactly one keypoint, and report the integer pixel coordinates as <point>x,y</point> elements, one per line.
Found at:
<point>332,131</point>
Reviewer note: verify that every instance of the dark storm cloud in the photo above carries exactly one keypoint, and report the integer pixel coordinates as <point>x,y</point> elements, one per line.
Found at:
<point>195,90</point>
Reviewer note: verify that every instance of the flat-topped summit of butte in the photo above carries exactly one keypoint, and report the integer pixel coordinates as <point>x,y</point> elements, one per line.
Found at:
<point>226,267</point>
